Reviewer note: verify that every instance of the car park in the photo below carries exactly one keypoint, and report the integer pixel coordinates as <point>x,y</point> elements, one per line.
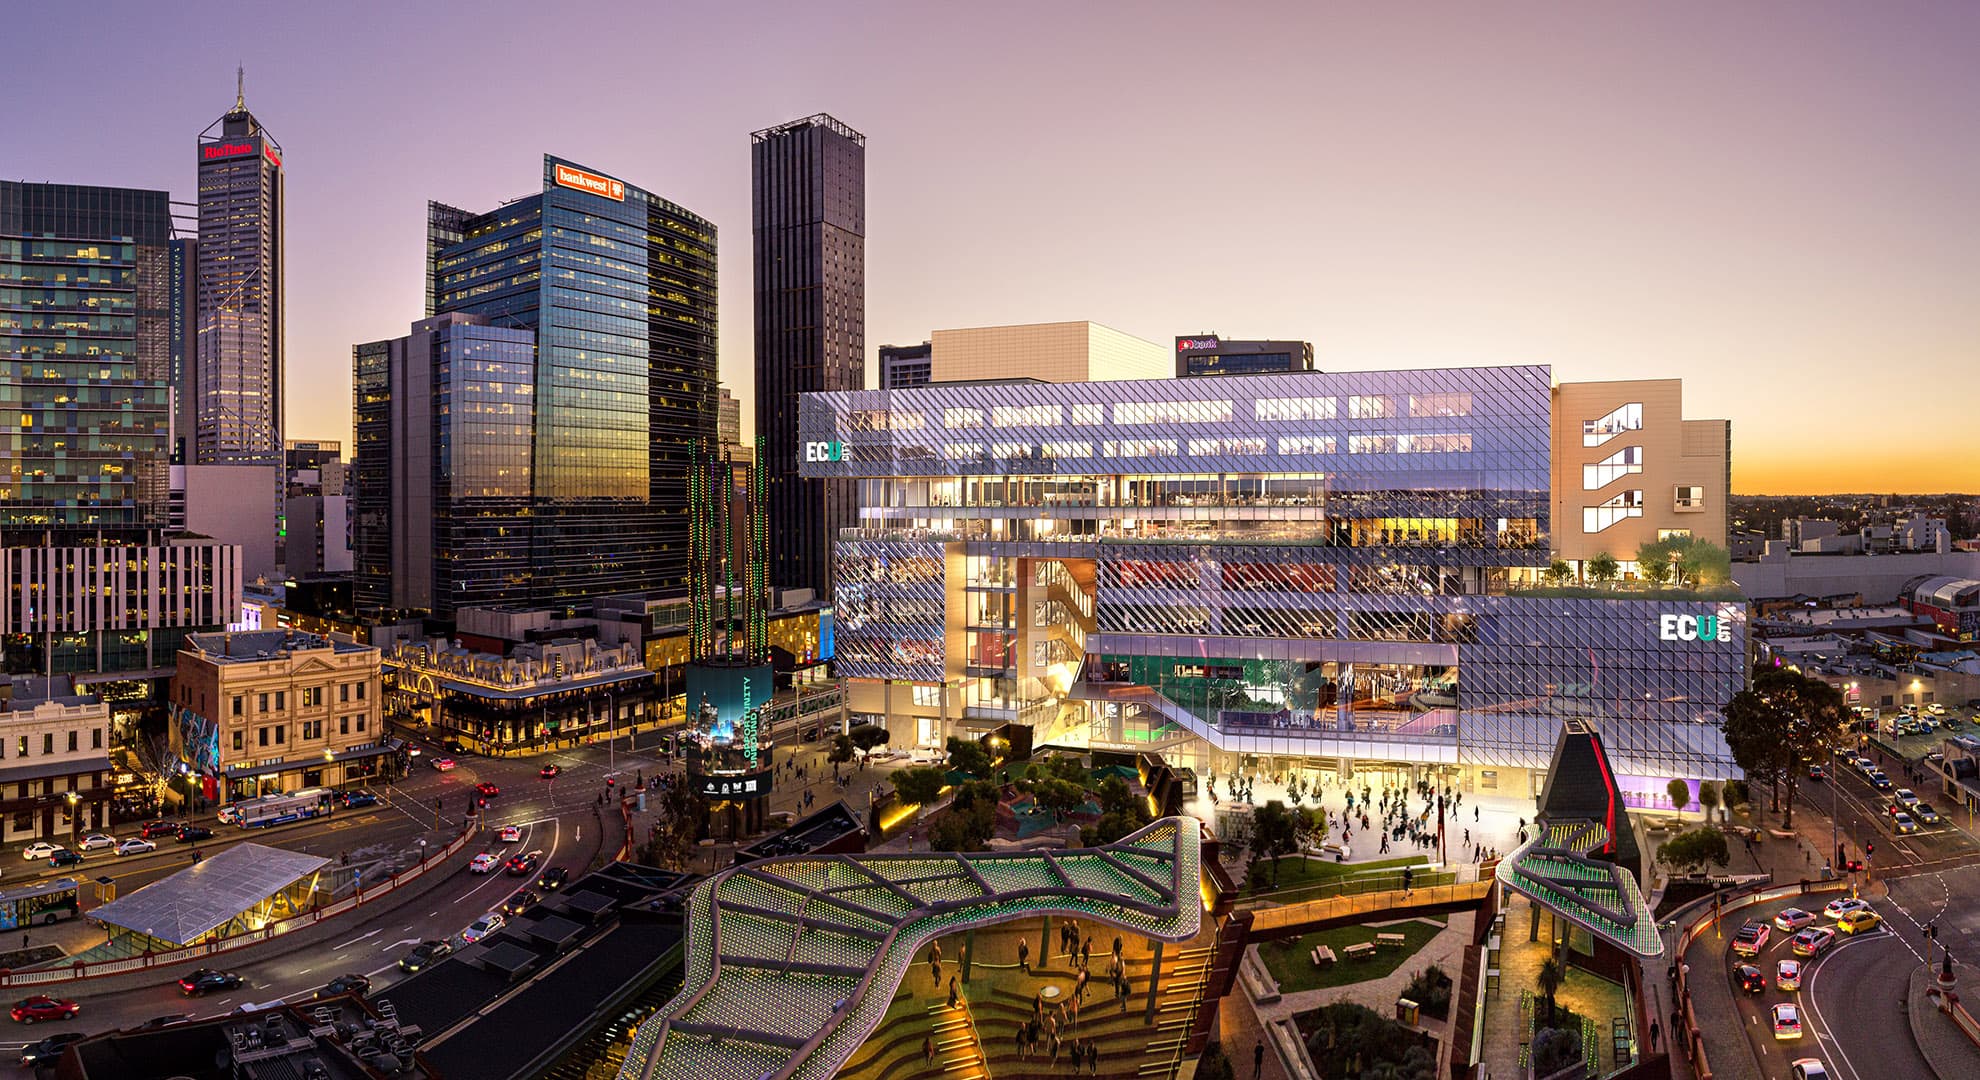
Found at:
<point>1903,824</point>
<point>1859,922</point>
<point>206,980</point>
<point>1812,941</point>
<point>1751,979</point>
<point>1936,709</point>
<point>1843,905</point>
<point>48,1050</point>
<point>483,863</point>
<point>41,1007</point>
<point>135,846</point>
<point>97,840</point>
<point>442,764</point>
<point>553,879</point>
<point>511,834</point>
<point>1750,939</point>
<point>1787,975</point>
<point>484,926</point>
<point>524,864</point>
<point>1787,1021</point>
<point>40,849</point>
<point>424,955</point>
<point>1794,919</point>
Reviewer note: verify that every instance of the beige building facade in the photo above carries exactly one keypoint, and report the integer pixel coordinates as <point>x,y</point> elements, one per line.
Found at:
<point>1059,352</point>
<point>1628,469</point>
<point>270,711</point>
<point>54,762</point>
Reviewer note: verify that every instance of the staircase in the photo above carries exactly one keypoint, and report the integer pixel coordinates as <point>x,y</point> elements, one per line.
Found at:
<point>1176,1009</point>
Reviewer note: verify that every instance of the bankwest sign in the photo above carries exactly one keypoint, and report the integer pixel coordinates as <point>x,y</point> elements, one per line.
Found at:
<point>592,182</point>
<point>1693,628</point>
<point>824,451</point>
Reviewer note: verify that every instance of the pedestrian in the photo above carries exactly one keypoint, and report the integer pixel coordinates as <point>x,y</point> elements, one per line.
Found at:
<point>1653,1035</point>
<point>1121,992</point>
<point>935,970</point>
<point>1117,945</point>
<point>1093,1057</point>
<point>1257,1059</point>
<point>1020,1040</point>
<point>1086,951</point>
<point>952,992</point>
<point>1024,956</point>
<point>927,1048</point>
<point>1474,815</point>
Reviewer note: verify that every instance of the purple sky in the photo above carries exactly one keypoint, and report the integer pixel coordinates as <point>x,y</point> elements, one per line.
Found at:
<point>1774,201</point>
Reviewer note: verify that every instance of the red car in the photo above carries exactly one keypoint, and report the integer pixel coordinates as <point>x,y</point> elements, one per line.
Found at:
<point>549,772</point>
<point>42,1007</point>
<point>154,829</point>
<point>487,789</point>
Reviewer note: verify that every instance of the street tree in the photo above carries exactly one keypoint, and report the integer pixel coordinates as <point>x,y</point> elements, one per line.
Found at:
<point>918,786</point>
<point>1693,849</point>
<point>968,755</point>
<point>1680,793</point>
<point>869,737</point>
<point>1272,834</point>
<point>1780,724</point>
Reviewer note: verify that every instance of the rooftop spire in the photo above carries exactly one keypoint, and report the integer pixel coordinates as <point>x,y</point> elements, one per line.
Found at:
<point>240,88</point>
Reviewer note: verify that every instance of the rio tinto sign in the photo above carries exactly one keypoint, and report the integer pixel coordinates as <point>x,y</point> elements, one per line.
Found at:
<point>592,182</point>
<point>1693,628</point>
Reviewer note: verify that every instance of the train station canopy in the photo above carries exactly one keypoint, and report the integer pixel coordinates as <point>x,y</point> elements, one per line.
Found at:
<point>239,884</point>
<point>791,963</point>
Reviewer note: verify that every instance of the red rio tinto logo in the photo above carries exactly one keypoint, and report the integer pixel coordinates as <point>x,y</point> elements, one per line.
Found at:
<point>218,151</point>
<point>592,182</point>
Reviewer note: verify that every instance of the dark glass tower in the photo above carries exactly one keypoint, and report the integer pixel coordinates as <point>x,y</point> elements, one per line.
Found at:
<point>237,373</point>
<point>808,207</point>
<point>618,286</point>
<point>85,358</point>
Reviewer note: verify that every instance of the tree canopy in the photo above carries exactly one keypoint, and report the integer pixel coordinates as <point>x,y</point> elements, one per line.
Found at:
<point>919,785</point>
<point>869,737</point>
<point>968,755</point>
<point>1690,850</point>
<point>1692,561</point>
<point>1781,723</point>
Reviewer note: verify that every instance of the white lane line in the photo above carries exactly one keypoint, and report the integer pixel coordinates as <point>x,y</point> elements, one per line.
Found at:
<point>1816,1010</point>
<point>357,939</point>
<point>396,944</point>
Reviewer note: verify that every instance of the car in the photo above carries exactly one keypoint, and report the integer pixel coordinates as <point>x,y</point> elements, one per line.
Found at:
<point>1807,1069</point>
<point>487,790</point>
<point>483,927</point>
<point>1925,814</point>
<point>521,902</point>
<point>1751,938</point>
<point>1903,824</point>
<point>189,834</point>
<point>1857,922</point>
<point>549,772</point>
<point>65,857</point>
<point>1787,975</point>
<point>97,840</point>
<point>1751,979</point>
<point>1818,772</point>
<point>1879,781</point>
<point>42,1007</point>
<point>483,863</point>
<point>348,983</point>
<point>442,764</point>
<point>153,829</point>
<point>553,879</point>
<point>135,846</point>
<point>1787,1021</point>
<point>207,980</point>
<point>1794,919</point>
<point>48,1050</point>
<point>453,746</point>
<point>425,954</point>
<point>40,849</point>
<point>354,799</point>
<point>1865,765</point>
<point>1905,797</point>
<point>1936,709</point>
<point>511,834</point>
<point>1843,905</point>
<point>1812,941</point>
<point>524,864</point>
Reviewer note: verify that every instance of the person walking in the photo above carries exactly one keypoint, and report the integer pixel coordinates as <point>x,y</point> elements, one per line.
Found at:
<point>1257,1059</point>
<point>1653,1036</point>
<point>1020,1040</point>
<point>1024,956</point>
<point>953,997</point>
<point>927,1048</point>
<point>1093,1056</point>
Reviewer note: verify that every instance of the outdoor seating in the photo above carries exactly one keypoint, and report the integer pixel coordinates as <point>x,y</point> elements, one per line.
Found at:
<point>1366,948</point>
<point>1322,956</point>
<point>1393,941</point>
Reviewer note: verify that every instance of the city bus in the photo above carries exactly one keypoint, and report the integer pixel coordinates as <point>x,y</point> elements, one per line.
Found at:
<point>42,904</point>
<point>277,809</point>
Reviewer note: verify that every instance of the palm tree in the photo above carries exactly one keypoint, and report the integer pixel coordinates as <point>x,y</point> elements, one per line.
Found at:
<point>1550,979</point>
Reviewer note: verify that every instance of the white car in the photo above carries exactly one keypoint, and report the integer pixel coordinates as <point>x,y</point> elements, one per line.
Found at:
<point>483,927</point>
<point>1794,919</point>
<point>1808,1069</point>
<point>1787,1021</point>
<point>1843,905</point>
<point>511,833</point>
<point>1936,709</point>
<point>135,846</point>
<point>1787,975</point>
<point>484,863</point>
<point>97,840</point>
<point>40,849</point>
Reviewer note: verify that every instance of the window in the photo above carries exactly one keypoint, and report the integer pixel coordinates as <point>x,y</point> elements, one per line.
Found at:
<point>1307,444</point>
<point>1025,416</point>
<point>1612,468</point>
<point>1227,446</point>
<point>1452,404</point>
<point>262,706</point>
<point>237,741</point>
<point>1140,448</point>
<point>360,687</point>
<point>1434,444</point>
<point>1371,407</point>
<point>1173,412</point>
<point>360,725</point>
<point>312,696</point>
<point>281,700</point>
<point>928,696</point>
<point>281,734</point>
<point>47,742</point>
<point>264,736</point>
<point>72,740</point>
<point>1673,534</point>
<point>962,418</point>
<point>962,451</point>
<point>1627,418</point>
<point>1371,444</point>
<point>1294,408</point>
<point>96,738</point>
<point>343,725</point>
<point>1688,498</point>
<point>1627,504</point>
<point>237,704</point>
<point>22,750</point>
<point>1070,449</point>
<point>343,691</point>
<point>1089,414</point>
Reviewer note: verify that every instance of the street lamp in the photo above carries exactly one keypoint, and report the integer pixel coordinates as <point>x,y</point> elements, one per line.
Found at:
<point>75,825</point>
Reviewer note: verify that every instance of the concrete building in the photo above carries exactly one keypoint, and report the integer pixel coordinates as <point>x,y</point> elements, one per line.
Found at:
<point>121,605</point>
<point>1629,469</point>
<point>539,695</point>
<point>54,761</point>
<point>1060,352</point>
<point>1878,579</point>
<point>234,504</point>
<point>902,366</point>
<point>276,710</point>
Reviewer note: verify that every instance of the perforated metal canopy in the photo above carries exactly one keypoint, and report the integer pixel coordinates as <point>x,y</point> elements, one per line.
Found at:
<point>203,897</point>
<point>791,963</point>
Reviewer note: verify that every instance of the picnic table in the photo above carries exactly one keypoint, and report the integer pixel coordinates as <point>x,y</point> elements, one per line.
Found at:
<point>1366,948</point>
<point>1394,941</point>
<point>1323,955</point>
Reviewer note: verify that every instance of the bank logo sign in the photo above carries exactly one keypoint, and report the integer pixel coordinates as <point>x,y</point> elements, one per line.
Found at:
<point>592,182</point>
<point>824,451</point>
<point>1693,628</point>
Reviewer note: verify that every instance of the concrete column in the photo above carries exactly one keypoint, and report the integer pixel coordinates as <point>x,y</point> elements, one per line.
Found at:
<point>1154,980</point>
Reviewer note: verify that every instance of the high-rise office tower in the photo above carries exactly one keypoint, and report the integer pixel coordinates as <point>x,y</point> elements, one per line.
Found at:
<point>87,346</point>
<point>237,373</point>
<point>902,366</point>
<point>808,208</point>
<point>618,286</point>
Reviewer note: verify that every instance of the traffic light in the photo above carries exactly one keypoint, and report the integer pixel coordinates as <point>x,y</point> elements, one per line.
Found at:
<point>1869,849</point>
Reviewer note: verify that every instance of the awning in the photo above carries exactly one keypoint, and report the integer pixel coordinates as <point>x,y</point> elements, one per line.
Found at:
<point>209,894</point>
<point>238,772</point>
<point>71,767</point>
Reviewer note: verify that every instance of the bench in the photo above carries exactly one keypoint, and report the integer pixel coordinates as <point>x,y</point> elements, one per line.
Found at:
<point>1392,941</point>
<point>1323,955</point>
<point>1366,948</point>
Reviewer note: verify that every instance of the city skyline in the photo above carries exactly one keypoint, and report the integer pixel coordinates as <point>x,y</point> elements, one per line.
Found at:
<point>1772,210</point>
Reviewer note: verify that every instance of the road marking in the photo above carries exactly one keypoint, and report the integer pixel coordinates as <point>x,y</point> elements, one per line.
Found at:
<point>396,944</point>
<point>305,971</point>
<point>357,939</point>
<point>223,1001</point>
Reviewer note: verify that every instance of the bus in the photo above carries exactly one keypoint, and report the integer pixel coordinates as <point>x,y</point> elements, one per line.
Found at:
<point>277,809</point>
<point>43,904</point>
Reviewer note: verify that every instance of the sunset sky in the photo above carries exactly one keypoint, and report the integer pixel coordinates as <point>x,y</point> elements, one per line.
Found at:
<point>1777,202</point>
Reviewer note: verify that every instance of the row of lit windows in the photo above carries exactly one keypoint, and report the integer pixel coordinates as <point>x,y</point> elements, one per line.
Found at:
<point>1227,446</point>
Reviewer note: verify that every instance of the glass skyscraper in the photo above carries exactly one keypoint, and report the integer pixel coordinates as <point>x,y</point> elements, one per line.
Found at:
<point>619,288</point>
<point>237,378</point>
<point>85,339</point>
<point>808,208</point>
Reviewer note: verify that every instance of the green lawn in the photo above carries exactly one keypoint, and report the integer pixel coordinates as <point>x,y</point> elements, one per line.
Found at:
<point>1291,962</point>
<point>1303,878</point>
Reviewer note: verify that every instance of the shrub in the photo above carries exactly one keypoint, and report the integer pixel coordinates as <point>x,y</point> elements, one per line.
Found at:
<point>1431,990</point>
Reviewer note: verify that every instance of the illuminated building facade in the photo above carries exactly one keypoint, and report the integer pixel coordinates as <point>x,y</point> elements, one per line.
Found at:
<point>237,382</point>
<point>618,287</point>
<point>1312,568</point>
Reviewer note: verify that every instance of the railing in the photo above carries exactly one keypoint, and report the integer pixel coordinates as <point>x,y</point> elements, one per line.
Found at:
<point>1267,921</point>
<point>99,969</point>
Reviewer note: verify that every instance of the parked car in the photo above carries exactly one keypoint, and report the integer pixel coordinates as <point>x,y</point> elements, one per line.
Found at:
<point>42,1007</point>
<point>1751,938</point>
<point>1751,979</point>
<point>97,840</point>
<point>1812,941</point>
<point>40,849</point>
<point>484,926</point>
<point>1787,1021</point>
<point>135,846</point>
<point>193,833</point>
<point>49,1050</point>
<point>1936,709</point>
<point>206,980</point>
<point>354,799</point>
<point>154,829</point>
